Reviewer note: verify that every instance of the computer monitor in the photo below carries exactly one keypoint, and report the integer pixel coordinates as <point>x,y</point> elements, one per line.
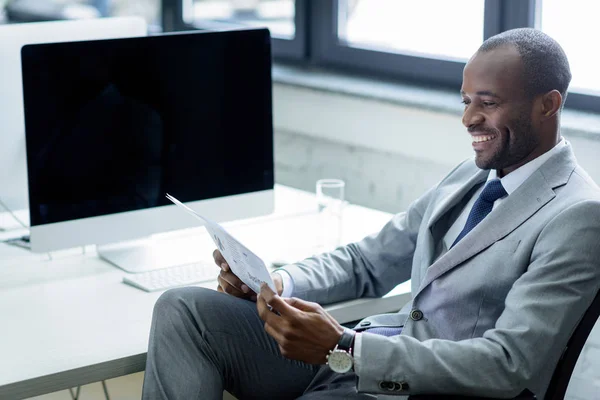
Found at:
<point>13,166</point>
<point>114,125</point>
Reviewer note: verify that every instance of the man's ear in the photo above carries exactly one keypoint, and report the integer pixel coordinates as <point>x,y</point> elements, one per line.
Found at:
<point>551,103</point>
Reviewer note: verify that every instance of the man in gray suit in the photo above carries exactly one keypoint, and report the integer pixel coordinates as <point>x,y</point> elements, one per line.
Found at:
<point>503,256</point>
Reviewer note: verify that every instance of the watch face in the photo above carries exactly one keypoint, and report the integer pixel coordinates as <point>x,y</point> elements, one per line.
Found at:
<point>339,361</point>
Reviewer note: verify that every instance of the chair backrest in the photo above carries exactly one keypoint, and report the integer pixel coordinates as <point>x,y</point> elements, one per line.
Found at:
<point>564,369</point>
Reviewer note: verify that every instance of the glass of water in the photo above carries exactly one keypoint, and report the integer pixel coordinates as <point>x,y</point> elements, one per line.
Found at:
<point>330,202</point>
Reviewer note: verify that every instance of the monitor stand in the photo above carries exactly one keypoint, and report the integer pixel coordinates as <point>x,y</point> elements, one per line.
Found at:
<point>158,252</point>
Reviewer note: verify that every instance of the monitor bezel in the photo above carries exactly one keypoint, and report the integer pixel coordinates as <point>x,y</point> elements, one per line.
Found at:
<point>136,224</point>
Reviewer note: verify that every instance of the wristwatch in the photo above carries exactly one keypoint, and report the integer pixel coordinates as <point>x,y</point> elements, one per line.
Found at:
<point>340,358</point>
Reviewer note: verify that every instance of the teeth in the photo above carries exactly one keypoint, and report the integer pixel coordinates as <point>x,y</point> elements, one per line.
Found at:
<point>478,139</point>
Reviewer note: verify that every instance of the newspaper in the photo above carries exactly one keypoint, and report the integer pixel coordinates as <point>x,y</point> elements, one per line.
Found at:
<point>250,268</point>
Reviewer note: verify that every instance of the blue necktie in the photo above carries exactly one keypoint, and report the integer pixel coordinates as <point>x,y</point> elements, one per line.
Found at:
<point>492,191</point>
<point>482,207</point>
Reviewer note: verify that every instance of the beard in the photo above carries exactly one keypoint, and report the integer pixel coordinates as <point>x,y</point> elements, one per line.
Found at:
<point>514,145</point>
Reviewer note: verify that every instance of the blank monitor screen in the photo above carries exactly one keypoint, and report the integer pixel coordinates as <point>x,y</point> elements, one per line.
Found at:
<point>13,168</point>
<point>113,125</point>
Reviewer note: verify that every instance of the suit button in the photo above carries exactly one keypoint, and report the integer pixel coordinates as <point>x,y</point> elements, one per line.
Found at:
<point>400,386</point>
<point>416,315</point>
<point>365,323</point>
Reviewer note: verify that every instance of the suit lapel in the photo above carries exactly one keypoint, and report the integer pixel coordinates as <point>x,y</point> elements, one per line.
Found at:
<point>532,195</point>
<point>453,194</point>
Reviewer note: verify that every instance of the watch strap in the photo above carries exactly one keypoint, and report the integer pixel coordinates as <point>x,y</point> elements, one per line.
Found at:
<point>345,342</point>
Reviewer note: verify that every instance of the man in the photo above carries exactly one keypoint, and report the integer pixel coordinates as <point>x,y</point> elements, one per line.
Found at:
<point>503,256</point>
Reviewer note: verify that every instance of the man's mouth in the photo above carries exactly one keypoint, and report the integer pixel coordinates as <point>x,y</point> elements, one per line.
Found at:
<point>483,138</point>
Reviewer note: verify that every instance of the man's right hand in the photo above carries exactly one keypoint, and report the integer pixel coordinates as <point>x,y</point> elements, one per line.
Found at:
<point>229,282</point>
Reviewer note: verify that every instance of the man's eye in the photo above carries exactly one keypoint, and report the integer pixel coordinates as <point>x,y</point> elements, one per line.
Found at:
<point>465,102</point>
<point>489,103</point>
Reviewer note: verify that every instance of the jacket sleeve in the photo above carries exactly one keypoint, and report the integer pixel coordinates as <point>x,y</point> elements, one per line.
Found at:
<point>541,311</point>
<point>368,268</point>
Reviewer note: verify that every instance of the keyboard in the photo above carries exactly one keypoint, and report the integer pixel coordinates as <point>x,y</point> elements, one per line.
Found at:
<point>167,278</point>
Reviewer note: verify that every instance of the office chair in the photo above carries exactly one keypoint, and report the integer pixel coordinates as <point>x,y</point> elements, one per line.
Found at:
<point>564,369</point>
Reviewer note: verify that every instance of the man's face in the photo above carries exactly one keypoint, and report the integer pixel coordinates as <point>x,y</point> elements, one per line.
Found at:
<point>498,114</point>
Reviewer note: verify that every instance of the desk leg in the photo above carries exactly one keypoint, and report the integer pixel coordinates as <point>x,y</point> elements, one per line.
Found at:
<point>105,390</point>
<point>75,396</point>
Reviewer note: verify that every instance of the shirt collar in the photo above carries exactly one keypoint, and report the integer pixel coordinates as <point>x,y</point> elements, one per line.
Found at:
<point>512,181</point>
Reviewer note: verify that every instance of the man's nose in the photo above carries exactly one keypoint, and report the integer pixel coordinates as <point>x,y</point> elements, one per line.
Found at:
<point>472,117</point>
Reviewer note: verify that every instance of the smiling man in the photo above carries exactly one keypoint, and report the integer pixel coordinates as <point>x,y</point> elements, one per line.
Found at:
<point>511,112</point>
<point>502,255</point>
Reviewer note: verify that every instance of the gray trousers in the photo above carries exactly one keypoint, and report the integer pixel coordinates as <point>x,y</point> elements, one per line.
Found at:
<point>203,342</point>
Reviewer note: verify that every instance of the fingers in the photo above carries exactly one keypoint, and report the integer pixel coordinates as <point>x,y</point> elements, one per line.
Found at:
<point>233,281</point>
<point>265,313</point>
<point>309,307</point>
<point>274,301</point>
<point>249,296</point>
<point>278,282</point>
<point>275,333</point>
<point>231,284</point>
<point>301,335</point>
<point>302,305</point>
<point>228,281</point>
<point>218,257</point>
<point>227,287</point>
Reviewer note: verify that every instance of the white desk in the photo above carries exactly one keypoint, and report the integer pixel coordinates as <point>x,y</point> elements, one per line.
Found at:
<point>70,321</point>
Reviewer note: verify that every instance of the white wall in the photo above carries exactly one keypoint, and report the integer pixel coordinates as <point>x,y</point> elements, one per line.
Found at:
<point>389,155</point>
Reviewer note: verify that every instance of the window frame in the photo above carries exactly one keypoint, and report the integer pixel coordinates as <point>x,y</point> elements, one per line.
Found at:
<point>173,20</point>
<point>316,44</point>
<point>327,50</point>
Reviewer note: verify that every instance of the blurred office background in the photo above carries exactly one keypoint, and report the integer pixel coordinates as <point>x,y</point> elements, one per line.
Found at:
<point>367,91</point>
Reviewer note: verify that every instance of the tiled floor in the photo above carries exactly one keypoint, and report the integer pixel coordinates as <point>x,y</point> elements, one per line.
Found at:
<point>123,388</point>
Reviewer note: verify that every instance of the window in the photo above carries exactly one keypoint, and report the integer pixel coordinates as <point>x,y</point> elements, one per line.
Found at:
<point>277,15</point>
<point>17,11</point>
<point>286,19</point>
<point>423,42</point>
<point>573,25</point>
<point>426,42</point>
<point>410,27</point>
<point>147,9</point>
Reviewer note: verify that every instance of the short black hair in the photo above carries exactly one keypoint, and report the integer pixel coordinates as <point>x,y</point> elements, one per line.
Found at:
<point>545,63</point>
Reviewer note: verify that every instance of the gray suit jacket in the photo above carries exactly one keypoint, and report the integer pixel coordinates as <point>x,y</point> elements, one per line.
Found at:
<point>497,309</point>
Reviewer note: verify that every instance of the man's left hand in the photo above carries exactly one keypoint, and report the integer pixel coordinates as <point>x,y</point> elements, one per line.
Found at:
<point>303,330</point>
